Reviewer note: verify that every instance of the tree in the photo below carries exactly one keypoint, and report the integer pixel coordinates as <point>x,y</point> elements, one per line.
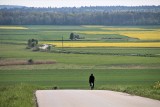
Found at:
<point>96,15</point>
<point>32,43</point>
<point>72,36</point>
<point>49,48</point>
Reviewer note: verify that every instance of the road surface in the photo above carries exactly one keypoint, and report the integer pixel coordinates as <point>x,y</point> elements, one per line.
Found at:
<point>91,98</point>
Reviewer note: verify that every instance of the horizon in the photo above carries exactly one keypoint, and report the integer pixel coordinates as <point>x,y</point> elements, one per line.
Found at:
<point>76,3</point>
<point>81,6</point>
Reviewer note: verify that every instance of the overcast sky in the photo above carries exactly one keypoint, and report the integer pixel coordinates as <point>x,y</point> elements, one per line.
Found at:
<point>78,3</point>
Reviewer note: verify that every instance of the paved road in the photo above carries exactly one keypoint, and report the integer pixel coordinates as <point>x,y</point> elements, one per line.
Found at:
<point>91,98</point>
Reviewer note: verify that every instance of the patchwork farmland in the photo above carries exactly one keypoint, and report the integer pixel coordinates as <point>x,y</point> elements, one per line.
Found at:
<point>122,58</point>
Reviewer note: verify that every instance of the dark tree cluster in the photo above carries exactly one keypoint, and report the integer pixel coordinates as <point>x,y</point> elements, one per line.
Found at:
<point>32,43</point>
<point>74,37</point>
<point>147,15</point>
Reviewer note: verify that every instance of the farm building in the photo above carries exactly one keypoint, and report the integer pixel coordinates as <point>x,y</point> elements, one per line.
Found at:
<point>46,47</point>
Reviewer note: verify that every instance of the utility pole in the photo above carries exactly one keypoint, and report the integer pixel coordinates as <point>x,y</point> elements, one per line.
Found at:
<point>62,42</point>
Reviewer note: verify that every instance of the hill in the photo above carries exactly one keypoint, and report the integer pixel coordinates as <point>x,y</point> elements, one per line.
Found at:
<point>11,7</point>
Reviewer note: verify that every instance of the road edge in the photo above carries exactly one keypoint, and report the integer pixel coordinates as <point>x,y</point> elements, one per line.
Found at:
<point>35,99</point>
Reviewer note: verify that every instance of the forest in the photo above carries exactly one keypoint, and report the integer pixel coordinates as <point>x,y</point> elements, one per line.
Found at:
<point>98,15</point>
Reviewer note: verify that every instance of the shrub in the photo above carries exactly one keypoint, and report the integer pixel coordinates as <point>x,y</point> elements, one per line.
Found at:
<point>32,43</point>
<point>30,61</point>
<point>157,85</point>
<point>55,88</point>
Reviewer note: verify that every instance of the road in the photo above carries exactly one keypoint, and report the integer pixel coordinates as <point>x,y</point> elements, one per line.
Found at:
<point>91,98</point>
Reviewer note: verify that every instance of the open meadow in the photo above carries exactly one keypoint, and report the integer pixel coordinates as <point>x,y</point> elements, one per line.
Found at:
<point>122,58</point>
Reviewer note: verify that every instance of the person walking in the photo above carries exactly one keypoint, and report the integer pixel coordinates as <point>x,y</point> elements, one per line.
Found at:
<point>91,81</point>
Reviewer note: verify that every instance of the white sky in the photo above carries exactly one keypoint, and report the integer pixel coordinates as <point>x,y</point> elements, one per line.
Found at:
<point>78,3</point>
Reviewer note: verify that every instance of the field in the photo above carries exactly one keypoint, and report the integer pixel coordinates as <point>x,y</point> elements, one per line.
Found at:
<point>74,44</point>
<point>67,78</point>
<point>122,58</point>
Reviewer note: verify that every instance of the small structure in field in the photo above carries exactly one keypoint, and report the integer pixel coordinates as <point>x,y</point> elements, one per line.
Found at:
<point>46,47</point>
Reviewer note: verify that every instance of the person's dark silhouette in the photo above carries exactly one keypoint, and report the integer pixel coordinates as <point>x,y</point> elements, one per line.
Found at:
<point>91,81</point>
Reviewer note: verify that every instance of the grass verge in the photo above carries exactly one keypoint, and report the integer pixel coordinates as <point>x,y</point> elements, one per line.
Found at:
<point>22,95</point>
<point>19,95</point>
<point>144,91</point>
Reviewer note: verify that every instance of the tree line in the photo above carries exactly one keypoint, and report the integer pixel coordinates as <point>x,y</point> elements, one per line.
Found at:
<point>75,16</point>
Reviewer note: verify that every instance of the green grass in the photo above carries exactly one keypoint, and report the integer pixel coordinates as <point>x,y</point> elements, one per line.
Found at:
<point>131,70</point>
<point>78,78</point>
<point>114,50</point>
<point>18,95</point>
<point>56,32</point>
<point>19,52</point>
<point>21,95</point>
<point>17,86</point>
<point>145,91</point>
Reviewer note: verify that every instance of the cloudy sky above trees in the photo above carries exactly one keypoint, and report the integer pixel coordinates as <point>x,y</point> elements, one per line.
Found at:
<point>78,3</point>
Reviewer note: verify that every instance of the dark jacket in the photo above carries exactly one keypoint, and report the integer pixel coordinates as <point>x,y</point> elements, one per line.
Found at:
<point>91,79</point>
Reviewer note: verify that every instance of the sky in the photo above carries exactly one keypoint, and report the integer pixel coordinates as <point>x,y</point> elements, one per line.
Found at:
<point>78,3</point>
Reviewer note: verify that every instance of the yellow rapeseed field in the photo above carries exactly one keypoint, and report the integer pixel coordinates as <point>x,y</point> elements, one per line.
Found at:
<point>147,35</point>
<point>140,33</point>
<point>92,26</point>
<point>122,29</point>
<point>13,27</point>
<point>74,44</point>
<point>95,32</point>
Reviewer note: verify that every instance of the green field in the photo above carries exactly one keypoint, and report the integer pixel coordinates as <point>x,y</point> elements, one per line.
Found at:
<point>51,33</point>
<point>78,78</point>
<point>133,70</point>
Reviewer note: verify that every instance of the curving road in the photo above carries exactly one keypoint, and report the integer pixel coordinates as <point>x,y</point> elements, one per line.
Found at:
<point>91,98</point>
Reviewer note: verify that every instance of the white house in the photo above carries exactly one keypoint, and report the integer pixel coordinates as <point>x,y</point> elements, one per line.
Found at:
<point>44,46</point>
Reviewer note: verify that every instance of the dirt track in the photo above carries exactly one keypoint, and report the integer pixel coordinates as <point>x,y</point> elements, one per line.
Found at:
<point>91,98</point>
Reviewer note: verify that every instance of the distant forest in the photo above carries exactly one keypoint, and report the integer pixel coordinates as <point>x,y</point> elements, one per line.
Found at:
<point>97,15</point>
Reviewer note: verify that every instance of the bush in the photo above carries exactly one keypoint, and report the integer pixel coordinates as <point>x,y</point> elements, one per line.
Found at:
<point>30,61</point>
<point>32,43</point>
<point>55,88</point>
<point>157,85</point>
